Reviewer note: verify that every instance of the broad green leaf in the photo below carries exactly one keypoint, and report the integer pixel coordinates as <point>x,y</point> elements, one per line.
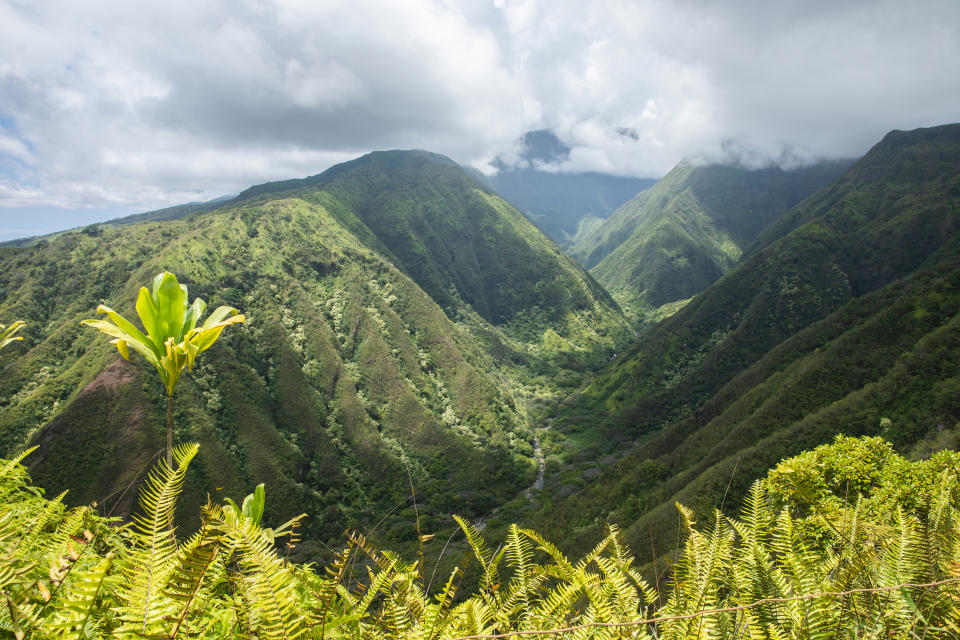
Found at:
<point>172,341</point>
<point>171,299</point>
<point>219,315</point>
<point>113,330</point>
<point>126,326</point>
<point>193,316</point>
<point>206,337</point>
<point>6,333</point>
<point>149,315</point>
<point>254,503</point>
<point>122,348</point>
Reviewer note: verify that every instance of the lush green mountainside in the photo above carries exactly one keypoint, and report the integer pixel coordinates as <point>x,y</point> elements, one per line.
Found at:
<point>678,237</point>
<point>465,246</point>
<point>560,204</point>
<point>347,374</point>
<point>847,319</point>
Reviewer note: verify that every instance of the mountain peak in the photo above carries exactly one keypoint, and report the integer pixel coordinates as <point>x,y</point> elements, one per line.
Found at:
<point>391,160</point>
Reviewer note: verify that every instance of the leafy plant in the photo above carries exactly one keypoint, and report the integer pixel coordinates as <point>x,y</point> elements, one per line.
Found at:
<point>796,564</point>
<point>252,512</point>
<point>7,333</point>
<point>172,341</point>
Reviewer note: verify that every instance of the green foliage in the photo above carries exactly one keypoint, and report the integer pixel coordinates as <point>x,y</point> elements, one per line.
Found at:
<point>7,334</point>
<point>346,369</point>
<point>849,318</point>
<point>851,517</point>
<point>253,504</point>
<point>153,554</point>
<point>172,341</point>
<point>351,373</point>
<point>464,246</point>
<point>53,561</point>
<point>677,238</point>
<point>802,560</point>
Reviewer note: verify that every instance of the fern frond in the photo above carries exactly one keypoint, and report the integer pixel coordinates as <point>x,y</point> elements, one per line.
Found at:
<point>13,468</point>
<point>561,567</point>
<point>146,605</point>
<point>267,583</point>
<point>51,509</point>
<point>437,614</point>
<point>473,617</point>
<point>520,558</point>
<point>324,590</point>
<point>75,610</point>
<point>196,567</point>
<point>72,525</point>
<point>488,561</point>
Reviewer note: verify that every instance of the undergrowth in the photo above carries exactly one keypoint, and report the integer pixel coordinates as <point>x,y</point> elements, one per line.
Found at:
<point>846,541</point>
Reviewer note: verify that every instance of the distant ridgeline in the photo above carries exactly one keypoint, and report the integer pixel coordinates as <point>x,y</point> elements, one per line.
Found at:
<point>565,206</point>
<point>677,238</point>
<point>401,318</point>
<point>842,317</point>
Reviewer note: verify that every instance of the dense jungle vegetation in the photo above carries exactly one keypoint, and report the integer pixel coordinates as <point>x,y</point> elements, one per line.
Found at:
<point>417,331</point>
<point>846,541</point>
<point>843,313</point>
<point>406,346</point>
<point>674,240</point>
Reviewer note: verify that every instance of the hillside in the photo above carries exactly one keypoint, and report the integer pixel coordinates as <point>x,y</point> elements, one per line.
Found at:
<point>347,375</point>
<point>172,213</point>
<point>466,247</point>
<point>844,320</point>
<point>675,239</point>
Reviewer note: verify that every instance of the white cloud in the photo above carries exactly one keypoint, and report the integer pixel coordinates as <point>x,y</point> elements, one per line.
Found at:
<point>151,103</point>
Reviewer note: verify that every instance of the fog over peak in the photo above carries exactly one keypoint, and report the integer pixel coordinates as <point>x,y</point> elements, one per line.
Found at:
<point>110,105</point>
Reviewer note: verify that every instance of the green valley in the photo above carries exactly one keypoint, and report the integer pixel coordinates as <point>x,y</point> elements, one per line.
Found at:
<point>841,319</point>
<point>384,345</point>
<point>416,348</point>
<point>479,320</point>
<point>565,206</point>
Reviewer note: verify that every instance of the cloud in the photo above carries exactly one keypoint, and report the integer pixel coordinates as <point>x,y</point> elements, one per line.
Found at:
<point>141,105</point>
<point>813,79</point>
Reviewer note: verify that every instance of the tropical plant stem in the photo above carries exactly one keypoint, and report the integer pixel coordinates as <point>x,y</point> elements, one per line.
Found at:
<point>170,430</point>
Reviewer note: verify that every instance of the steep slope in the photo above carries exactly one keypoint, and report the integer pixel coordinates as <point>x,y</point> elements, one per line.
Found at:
<point>845,321</point>
<point>347,376</point>
<point>563,204</point>
<point>345,373</point>
<point>465,246</point>
<point>678,237</point>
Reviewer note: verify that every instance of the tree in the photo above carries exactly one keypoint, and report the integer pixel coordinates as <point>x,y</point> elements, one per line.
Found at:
<point>172,341</point>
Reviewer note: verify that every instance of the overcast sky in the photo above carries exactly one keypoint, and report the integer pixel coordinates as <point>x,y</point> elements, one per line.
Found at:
<point>113,107</point>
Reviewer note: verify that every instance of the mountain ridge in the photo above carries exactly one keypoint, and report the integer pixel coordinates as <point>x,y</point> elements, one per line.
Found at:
<point>844,324</point>
<point>678,237</point>
<point>560,203</point>
<point>347,375</point>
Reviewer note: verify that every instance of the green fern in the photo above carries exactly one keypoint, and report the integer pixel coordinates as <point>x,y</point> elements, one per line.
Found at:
<point>269,602</point>
<point>146,607</point>
<point>75,614</point>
